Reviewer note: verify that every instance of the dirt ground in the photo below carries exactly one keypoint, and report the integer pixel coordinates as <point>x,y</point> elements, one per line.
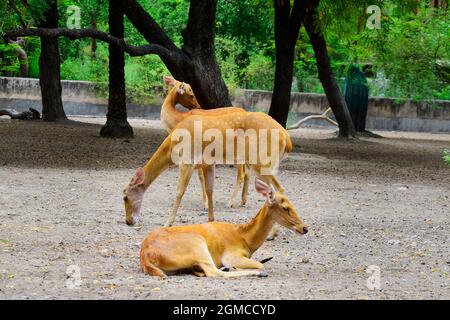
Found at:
<point>372,204</point>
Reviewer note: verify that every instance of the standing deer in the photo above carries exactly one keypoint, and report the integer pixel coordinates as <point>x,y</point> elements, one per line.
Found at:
<point>204,248</point>
<point>247,121</point>
<point>181,93</point>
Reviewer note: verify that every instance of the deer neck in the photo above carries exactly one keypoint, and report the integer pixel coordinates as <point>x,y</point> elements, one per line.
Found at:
<point>169,114</point>
<point>256,231</point>
<point>158,163</point>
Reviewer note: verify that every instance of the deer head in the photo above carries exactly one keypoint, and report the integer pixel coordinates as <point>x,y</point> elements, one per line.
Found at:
<point>280,208</point>
<point>184,93</point>
<point>132,197</point>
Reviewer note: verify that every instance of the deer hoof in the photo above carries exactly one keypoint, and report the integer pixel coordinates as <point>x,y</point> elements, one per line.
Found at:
<point>263,274</point>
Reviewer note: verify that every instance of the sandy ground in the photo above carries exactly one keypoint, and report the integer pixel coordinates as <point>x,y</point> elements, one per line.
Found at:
<point>383,203</point>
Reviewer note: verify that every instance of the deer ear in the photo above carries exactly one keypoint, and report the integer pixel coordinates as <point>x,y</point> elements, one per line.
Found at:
<point>139,177</point>
<point>261,187</point>
<point>169,81</point>
<point>266,190</point>
<point>271,195</point>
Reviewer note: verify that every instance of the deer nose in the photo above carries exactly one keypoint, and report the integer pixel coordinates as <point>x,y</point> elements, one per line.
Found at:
<point>305,230</point>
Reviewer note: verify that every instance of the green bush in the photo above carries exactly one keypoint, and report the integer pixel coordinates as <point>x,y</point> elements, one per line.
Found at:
<point>408,50</point>
<point>143,78</point>
<point>259,73</point>
<point>86,66</point>
<point>142,74</point>
<point>9,64</point>
<point>447,156</point>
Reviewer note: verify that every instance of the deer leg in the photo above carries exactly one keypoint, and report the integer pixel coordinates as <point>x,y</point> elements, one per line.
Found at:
<point>210,172</point>
<point>239,178</point>
<point>199,273</point>
<point>239,262</point>
<point>245,188</point>
<point>277,185</point>
<point>201,177</point>
<point>273,233</point>
<point>185,174</point>
<point>211,271</point>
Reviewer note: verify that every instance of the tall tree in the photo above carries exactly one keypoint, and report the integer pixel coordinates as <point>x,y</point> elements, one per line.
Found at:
<point>195,62</point>
<point>329,83</point>
<point>116,117</point>
<point>49,67</point>
<point>287,27</point>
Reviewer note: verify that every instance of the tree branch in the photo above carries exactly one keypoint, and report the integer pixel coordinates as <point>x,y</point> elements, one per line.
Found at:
<point>146,25</point>
<point>12,4</point>
<point>133,51</point>
<point>295,21</point>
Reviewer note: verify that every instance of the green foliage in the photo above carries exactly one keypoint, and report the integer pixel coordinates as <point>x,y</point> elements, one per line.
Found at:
<point>8,61</point>
<point>171,14</point>
<point>411,49</point>
<point>87,67</point>
<point>244,43</point>
<point>305,69</point>
<point>37,9</point>
<point>143,77</point>
<point>447,156</point>
<point>259,73</point>
<point>408,50</point>
<point>142,74</point>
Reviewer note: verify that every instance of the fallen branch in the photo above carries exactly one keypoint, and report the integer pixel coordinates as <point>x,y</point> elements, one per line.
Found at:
<point>323,116</point>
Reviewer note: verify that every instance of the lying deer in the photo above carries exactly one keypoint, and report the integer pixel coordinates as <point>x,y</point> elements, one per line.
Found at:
<point>205,248</point>
<point>181,93</point>
<point>162,159</point>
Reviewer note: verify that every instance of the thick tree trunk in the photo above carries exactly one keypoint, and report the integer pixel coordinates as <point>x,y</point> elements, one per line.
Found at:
<point>287,26</point>
<point>116,117</point>
<point>329,83</point>
<point>195,63</point>
<point>206,78</point>
<point>281,98</point>
<point>49,69</point>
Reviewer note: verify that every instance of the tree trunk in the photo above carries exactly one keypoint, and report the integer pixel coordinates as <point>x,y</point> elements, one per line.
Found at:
<point>116,117</point>
<point>195,63</point>
<point>22,56</point>
<point>441,4</point>
<point>329,83</point>
<point>49,69</point>
<point>206,78</point>
<point>94,40</point>
<point>287,26</point>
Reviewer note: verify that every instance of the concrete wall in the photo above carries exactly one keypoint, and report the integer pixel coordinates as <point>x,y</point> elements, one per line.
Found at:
<point>80,98</point>
<point>383,113</point>
<point>87,99</point>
